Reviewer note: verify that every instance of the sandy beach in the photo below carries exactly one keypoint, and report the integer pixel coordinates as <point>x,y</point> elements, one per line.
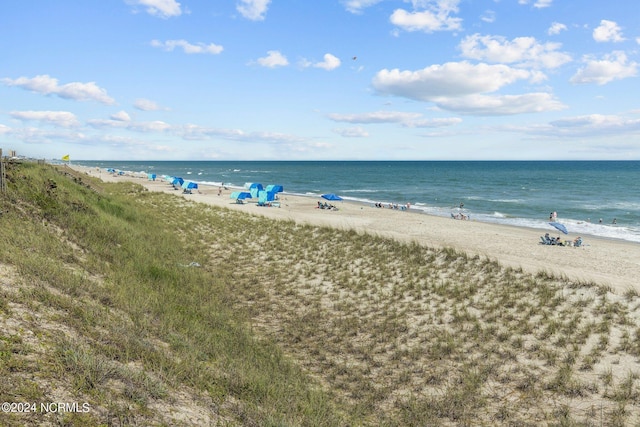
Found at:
<point>606,262</point>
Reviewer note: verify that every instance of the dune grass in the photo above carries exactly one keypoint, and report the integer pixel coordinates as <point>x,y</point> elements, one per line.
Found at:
<point>131,323</point>
<point>288,324</point>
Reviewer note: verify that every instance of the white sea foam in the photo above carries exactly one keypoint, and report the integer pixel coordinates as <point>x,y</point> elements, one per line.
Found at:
<point>507,200</point>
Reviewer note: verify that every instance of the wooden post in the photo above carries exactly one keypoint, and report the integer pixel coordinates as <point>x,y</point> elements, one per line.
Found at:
<point>3,177</point>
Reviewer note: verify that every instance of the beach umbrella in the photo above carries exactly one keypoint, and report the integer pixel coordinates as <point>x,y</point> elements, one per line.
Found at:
<point>151,176</point>
<point>177,181</point>
<point>240,195</point>
<point>559,226</point>
<point>331,196</point>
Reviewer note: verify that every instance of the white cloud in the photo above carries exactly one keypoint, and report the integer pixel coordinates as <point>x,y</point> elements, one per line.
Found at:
<point>542,3</point>
<point>196,132</point>
<point>153,126</point>
<point>450,80</point>
<point>329,63</point>
<point>434,123</point>
<point>57,118</point>
<point>77,91</point>
<point>353,132</point>
<point>356,6</point>
<point>556,28</point>
<point>147,105</point>
<point>524,51</point>
<point>488,16</point>
<point>494,105</point>
<point>539,4</point>
<point>31,135</point>
<point>590,125</point>
<point>436,19</point>
<point>375,117</point>
<point>409,120</point>
<point>273,59</point>
<point>253,10</point>
<point>462,87</point>
<point>187,47</point>
<point>144,127</point>
<point>614,66</point>
<point>122,116</point>
<point>608,31</point>
<point>160,8</point>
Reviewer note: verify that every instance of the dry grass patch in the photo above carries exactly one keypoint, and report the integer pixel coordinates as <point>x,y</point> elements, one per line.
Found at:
<point>404,332</point>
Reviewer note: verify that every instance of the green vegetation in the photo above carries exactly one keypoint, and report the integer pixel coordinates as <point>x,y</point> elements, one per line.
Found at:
<point>160,311</point>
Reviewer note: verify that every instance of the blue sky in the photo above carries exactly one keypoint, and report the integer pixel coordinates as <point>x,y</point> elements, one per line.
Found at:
<point>316,80</point>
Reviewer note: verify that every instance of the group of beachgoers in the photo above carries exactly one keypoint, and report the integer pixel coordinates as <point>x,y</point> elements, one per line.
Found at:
<point>557,241</point>
<point>392,206</point>
<point>327,206</point>
<point>460,215</point>
<point>553,217</point>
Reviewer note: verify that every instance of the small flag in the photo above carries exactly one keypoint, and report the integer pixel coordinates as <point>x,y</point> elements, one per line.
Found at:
<point>65,158</point>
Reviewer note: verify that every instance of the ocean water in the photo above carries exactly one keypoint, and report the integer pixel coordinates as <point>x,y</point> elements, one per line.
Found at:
<point>600,198</point>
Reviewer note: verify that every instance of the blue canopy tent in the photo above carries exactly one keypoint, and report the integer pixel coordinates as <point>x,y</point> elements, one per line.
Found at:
<point>111,170</point>
<point>177,181</point>
<point>331,196</point>
<point>255,188</point>
<point>265,197</point>
<point>151,176</point>
<point>276,188</point>
<point>239,196</point>
<point>187,186</point>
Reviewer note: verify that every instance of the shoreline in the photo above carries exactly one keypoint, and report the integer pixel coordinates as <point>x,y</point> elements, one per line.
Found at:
<point>605,261</point>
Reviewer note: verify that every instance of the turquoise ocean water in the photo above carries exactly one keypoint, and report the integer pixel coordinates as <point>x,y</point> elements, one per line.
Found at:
<point>518,193</point>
